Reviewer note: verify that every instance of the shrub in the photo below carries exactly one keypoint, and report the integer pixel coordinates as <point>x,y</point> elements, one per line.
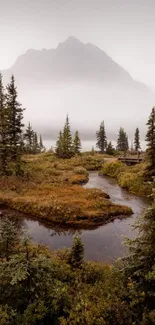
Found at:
<point>80,170</point>
<point>112,168</point>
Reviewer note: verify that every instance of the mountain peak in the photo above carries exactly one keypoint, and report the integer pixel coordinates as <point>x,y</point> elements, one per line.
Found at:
<point>71,43</point>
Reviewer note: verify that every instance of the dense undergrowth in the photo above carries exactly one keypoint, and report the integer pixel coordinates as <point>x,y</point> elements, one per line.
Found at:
<point>133,178</point>
<point>50,189</point>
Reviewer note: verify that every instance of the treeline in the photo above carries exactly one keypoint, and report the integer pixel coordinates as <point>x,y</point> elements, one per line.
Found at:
<point>13,140</point>
<point>31,143</point>
<point>122,141</point>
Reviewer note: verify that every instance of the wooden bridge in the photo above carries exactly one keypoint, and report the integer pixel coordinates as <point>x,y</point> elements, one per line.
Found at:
<point>130,160</point>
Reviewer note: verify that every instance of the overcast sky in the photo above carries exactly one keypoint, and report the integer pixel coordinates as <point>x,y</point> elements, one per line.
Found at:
<point>122,28</point>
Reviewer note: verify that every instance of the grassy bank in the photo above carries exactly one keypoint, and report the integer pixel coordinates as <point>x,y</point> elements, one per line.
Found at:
<point>131,178</point>
<point>50,190</point>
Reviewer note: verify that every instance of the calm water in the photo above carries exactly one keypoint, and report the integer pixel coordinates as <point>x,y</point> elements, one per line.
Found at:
<point>104,243</point>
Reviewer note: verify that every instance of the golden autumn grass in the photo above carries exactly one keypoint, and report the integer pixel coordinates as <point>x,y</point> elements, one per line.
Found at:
<point>50,190</point>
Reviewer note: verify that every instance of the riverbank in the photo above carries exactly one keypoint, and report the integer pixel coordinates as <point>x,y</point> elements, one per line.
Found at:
<point>97,239</point>
<point>132,178</point>
<point>50,190</point>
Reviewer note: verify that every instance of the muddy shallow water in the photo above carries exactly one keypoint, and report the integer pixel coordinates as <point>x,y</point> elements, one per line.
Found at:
<point>104,243</point>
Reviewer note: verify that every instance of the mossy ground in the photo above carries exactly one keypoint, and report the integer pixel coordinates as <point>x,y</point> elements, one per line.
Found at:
<point>50,190</point>
<point>131,178</point>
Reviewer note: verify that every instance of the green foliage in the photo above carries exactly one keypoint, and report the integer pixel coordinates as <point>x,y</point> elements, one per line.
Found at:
<point>101,138</point>
<point>32,145</point>
<point>11,116</point>
<point>141,261</point>
<point>77,143</point>
<point>77,253</point>
<point>41,287</point>
<point>9,238</point>
<point>67,140</point>
<point>131,178</point>
<point>3,129</point>
<point>150,139</point>
<point>110,149</point>
<point>112,168</point>
<point>28,136</point>
<point>64,144</point>
<point>137,140</point>
<point>80,170</point>
<point>15,114</point>
<point>122,141</point>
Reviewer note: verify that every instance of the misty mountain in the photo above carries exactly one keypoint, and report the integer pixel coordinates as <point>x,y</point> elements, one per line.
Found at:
<point>82,80</point>
<point>70,61</point>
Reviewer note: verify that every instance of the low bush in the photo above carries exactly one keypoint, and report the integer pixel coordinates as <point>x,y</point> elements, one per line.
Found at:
<point>80,170</point>
<point>131,178</point>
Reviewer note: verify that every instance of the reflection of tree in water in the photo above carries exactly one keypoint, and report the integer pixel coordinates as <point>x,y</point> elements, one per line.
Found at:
<point>56,230</point>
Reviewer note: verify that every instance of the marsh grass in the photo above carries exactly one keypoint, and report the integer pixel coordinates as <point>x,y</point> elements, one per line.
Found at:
<point>50,190</point>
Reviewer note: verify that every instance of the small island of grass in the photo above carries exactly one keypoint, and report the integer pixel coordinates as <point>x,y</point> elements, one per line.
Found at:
<point>51,190</point>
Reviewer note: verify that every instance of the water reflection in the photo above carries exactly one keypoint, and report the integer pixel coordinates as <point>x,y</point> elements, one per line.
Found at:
<point>101,243</point>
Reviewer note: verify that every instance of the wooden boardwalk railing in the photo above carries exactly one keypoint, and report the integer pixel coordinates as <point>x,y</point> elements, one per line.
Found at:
<point>130,160</point>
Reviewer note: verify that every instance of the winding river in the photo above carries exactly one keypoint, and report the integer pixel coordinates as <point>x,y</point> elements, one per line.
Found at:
<point>104,243</point>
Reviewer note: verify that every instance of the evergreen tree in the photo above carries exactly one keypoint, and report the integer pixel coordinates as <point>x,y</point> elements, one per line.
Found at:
<point>64,144</point>
<point>67,140</point>
<point>77,253</point>
<point>9,238</point>
<point>77,143</point>
<point>3,129</point>
<point>122,141</point>
<point>22,144</point>
<point>101,138</point>
<point>110,149</point>
<point>59,146</point>
<point>36,148</point>
<point>141,261</point>
<point>41,146</point>
<point>137,140</point>
<point>15,112</point>
<point>29,137</point>
<point>150,139</point>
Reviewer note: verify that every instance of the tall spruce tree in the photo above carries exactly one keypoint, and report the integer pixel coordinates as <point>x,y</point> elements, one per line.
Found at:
<point>77,143</point>
<point>122,141</point>
<point>59,146</point>
<point>15,119</point>
<point>141,261</point>
<point>150,139</point>
<point>4,150</point>
<point>36,148</point>
<point>41,146</point>
<point>137,140</point>
<point>67,140</point>
<point>29,137</point>
<point>101,138</point>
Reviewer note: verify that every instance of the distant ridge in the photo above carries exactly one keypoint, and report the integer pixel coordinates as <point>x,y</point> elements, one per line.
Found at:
<point>83,81</point>
<point>72,61</point>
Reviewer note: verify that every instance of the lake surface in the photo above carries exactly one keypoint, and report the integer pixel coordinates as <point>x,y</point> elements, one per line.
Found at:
<point>102,244</point>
